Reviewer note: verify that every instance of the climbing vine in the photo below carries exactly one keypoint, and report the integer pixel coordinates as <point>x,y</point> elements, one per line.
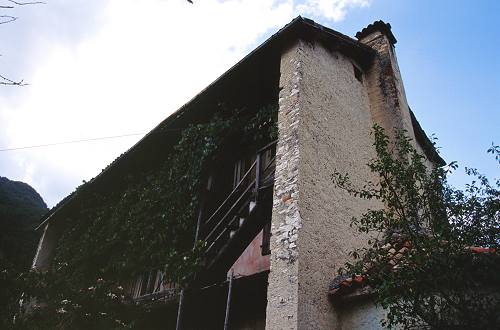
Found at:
<point>147,225</point>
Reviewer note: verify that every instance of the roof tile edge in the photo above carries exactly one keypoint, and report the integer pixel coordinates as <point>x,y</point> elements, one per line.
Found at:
<point>381,26</point>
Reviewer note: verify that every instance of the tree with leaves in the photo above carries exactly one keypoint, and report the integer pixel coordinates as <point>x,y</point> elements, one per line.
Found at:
<point>432,260</point>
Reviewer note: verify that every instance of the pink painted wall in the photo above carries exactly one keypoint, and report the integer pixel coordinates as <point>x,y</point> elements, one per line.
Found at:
<point>251,260</point>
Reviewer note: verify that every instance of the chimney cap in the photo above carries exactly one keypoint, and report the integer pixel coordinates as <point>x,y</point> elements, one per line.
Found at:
<point>381,26</point>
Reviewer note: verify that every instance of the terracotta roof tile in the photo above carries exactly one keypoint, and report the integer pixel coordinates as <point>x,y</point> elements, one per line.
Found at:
<point>381,26</point>
<point>345,284</point>
<point>477,249</point>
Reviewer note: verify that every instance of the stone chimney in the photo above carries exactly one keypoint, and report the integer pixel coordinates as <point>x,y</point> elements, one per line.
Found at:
<point>388,104</point>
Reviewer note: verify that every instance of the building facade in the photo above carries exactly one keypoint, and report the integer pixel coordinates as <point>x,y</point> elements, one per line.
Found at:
<point>281,229</point>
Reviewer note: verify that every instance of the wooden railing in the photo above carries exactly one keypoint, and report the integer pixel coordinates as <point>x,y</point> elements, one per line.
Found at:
<point>151,285</point>
<point>238,206</point>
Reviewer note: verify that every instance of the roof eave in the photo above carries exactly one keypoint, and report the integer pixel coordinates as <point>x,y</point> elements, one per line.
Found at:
<point>299,27</point>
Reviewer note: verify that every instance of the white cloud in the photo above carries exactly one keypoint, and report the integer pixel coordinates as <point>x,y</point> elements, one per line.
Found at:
<point>143,61</point>
<point>335,10</point>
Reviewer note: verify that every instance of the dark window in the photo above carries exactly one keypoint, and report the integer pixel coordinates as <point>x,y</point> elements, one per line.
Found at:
<point>266,239</point>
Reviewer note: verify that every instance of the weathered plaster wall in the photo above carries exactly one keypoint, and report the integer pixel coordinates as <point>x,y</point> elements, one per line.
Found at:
<point>324,125</point>
<point>362,314</point>
<point>335,135</point>
<point>282,291</point>
<point>388,103</point>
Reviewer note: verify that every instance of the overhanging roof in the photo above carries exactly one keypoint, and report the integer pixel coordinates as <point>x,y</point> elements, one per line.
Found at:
<point>426,144</point>
<point>298,28</point>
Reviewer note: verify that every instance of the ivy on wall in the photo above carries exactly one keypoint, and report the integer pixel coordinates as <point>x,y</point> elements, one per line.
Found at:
<point>148,225</point>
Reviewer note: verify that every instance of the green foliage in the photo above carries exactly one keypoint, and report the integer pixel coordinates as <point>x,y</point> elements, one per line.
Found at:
<point>19,201</point>
<point>21,207</point>
<point>438,283</point>
<point>58,305</point>
<point>147,225</point>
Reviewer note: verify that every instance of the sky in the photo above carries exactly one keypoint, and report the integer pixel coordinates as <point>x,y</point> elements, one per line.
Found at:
<point>99,68</point>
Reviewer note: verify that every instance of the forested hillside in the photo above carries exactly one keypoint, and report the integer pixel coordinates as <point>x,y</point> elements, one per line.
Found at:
<point>21,208</point>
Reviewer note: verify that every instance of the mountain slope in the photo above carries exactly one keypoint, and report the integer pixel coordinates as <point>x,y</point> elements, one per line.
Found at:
<point>21,208</point>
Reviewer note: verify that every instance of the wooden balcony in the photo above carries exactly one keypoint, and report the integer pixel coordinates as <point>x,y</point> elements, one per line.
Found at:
<point>242,214</point>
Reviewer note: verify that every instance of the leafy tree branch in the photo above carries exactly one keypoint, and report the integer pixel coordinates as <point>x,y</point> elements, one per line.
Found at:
<point>436,263</point>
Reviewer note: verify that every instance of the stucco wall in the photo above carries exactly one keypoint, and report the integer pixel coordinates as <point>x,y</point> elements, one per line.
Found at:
<point>324,125</point>
<point>362,314</point>
<point>388,103</point>
<point>335,135</point>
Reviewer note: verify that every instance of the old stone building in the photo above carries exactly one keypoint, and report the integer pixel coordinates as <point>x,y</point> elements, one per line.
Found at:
<point>291,233</point>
